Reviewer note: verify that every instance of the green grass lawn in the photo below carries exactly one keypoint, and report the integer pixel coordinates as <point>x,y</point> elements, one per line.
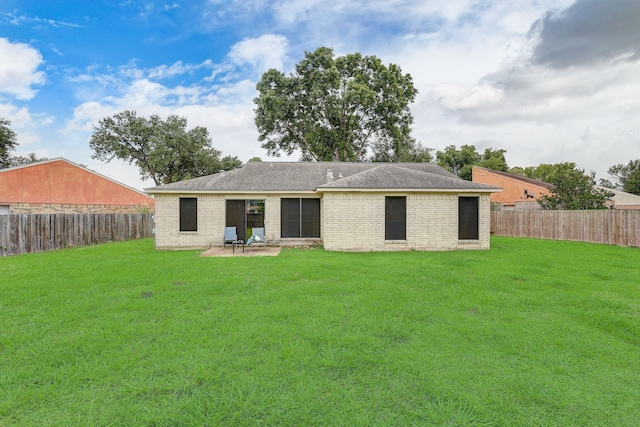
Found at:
<point>530,333</point>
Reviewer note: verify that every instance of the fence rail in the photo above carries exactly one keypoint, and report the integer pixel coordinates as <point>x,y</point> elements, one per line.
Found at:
<point>42,232</point>
<point>614,227</point>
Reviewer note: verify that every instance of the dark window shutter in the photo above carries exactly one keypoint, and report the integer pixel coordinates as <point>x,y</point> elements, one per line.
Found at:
<point>468,218</point>
<point>290,217</point>
<point>395,218</point>
<point>310,218</point>
<point>189,214</point>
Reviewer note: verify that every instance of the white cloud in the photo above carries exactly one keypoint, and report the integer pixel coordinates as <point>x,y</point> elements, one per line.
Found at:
<point>237,6</point>
<point>453,97</point>
<point>531,92</point>
<point>262,53</point>
<point>176,69</point>
<point>131,70</point>
<point>20,73</point>
<point>296,11</point>
<point>19,117</point>
<point>150,9</point>
<point>26,126</point>
<point>86,115</point>
<point>35,21</point>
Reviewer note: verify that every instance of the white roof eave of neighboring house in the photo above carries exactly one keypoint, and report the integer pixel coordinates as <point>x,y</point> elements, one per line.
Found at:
<point>621,198</point>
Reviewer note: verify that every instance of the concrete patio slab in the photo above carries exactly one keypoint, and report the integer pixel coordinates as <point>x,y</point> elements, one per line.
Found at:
<point>219,251</point>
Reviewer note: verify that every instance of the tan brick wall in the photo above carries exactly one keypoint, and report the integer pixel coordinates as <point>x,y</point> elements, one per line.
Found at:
<point>271,217</point>
<point>211,220</point>
<point>355,222</point>
<point>349,222</point>
<point>61,208</point>
<point>211,211</point>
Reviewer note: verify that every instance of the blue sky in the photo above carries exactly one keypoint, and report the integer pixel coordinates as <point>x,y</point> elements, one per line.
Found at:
<point>547,80</point>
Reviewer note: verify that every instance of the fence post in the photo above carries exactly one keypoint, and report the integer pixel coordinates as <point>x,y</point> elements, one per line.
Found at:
<point>5,241</point>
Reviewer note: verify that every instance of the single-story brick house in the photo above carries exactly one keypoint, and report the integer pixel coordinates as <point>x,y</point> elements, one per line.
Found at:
<point>61,186</point>
<point>342,206</point>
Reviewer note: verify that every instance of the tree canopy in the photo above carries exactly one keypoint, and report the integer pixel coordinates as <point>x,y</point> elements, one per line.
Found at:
<point>461,161</point>
<point>494,159</point>
<point>551,173</point>
<point>163,150</point>
<point>337,109</point>
<point>573,189</point>
<point>628,177</point>
<point>25,160</point>
<point>8,143</point>
<point>408,151</point>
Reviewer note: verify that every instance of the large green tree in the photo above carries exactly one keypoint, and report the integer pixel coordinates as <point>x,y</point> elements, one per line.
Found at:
<point>550,172</point>
<point>409,151</point>
<point>8,143</point>
<point>163,150</point>
<point>461,161</point>
<point>627,176</point>
<point>573,189</point>
<point>494,159</point>
<point>25,160</point>
<point>336,108</point>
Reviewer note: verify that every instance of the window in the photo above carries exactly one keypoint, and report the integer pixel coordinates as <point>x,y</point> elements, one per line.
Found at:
<point>395,218</point>
<point>189,214</point>
<point>468,218</point>
<point>300,217</point>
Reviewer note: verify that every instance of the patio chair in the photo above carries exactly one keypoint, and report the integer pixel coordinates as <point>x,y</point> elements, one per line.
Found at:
<point>230,236</point>
<point>257,238</point>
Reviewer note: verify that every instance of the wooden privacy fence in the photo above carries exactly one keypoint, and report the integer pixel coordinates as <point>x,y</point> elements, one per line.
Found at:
<point>42,232</point>
<point>614,227</point>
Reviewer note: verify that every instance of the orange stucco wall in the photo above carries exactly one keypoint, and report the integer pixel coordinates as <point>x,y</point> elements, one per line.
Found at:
<point>512,188</point>
<point>61,182</point>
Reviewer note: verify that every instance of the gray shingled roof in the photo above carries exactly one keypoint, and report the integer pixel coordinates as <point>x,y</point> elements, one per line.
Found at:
<point>312,176</point>
<point>389,176</point>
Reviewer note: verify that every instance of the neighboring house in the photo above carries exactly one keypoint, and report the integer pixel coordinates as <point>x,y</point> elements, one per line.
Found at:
<point>342,206</point>
<point>61,186</point>
<point>518,192</point>
<point>620,199</point>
